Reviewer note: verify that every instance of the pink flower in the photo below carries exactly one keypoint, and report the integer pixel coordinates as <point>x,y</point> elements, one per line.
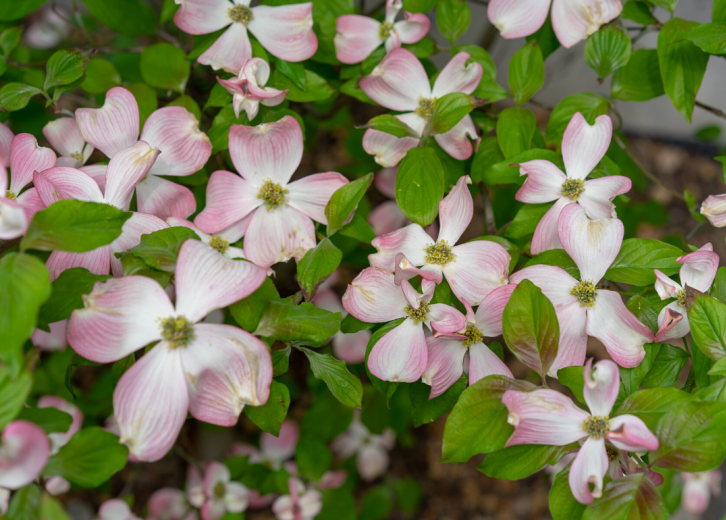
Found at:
<point>300,504</point>
<point>572,20</point>
<point>60,439</point>
<point>65,137</point>
<point>248,89</point>
<point>401,354</point>
<point>170,504</point>
<point>219,241</point>
<point>221,495</point>
<point>550,418</point>
<point>582,309</point>
<point>473,270</point>
<point>350,348</point>
<point>53,340</point>
<point>174,131</point>
<point>697,489</point>
<point>399,82</point>
<point>123,172</point>
<point>583,146</point>
<point>714,209</point>
<point>285,31</point>
<point>273,451</point>
<point>449,353</point>
<point>371,450</point>
<point>23,454</point>
<point>209,370</point>
<point>116,509</point>
<point>266,156</point>
<point>698,271</point>
<point>358,36</point>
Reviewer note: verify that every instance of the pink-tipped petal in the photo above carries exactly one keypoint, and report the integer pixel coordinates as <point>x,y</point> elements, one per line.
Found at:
<point>6,140</point>
<point>589,467</point>
<point>401,355</point>
<point>483,362</point>
<point>491,310</point>
<point>114,126</point>
<point>59,439</point>
<point>583,145</point>
<point>699,268</point>
<point>31,203</point>
<point>575,20</point>
<point>230,199</point>
<point>413,28</point>
<point>125,171</point>
<point>53,340</point>
<point>455,211</point>
<point>445,364</point>
<point>65,137</point>
<point>672,323</point>
<point>231,50</point>
<point>445,319</point>
<point>601,386</point>
<point>27,157</point>
<point>389,150</point>
<point>543,183</point>
<point>164,199</point>
<point>278,235</point>
<point>398,82</point>
<point>97,261</point>
<point>405,270</point>
<point>412,241</point>
<point>517,18</point>
<point>97,172</point>
<point>202,16</point>
<point>311,194</point>
<point>597,199</point>
<point>25,452</point>
<point>457,76</point>
<point>630,433</point>
<point>546,235</point>
<point>351,348</point>
<point>665,286</point>
<point>61,182</point>
<point>386,218</point>
<point>119,316</point>
<point>456,141</point>
<point>374,297</point>
<point>357,37</point>
<point>13,219</point>
<point>285,31</point>
<point>713,208</point>
<point>139,224</point>
<point>478,268</point>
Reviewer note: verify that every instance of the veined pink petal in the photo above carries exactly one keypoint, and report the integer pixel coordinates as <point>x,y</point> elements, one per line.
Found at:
<point>202,16</point>
<point>517,18</point>
<point>583,146</point>
<point>592,244</point>
<point>374,297</point>
<point>554,282</point>
<point>398,82</point>
<point>483,362</point>
<point>457,76</point>
<point>175,132</point>
<point>269,151</point>
<point>699,268</point>
<point>61,182</point>
<point>3,180</point>
<point>13,219</point>
<point>98,261</point>
<point>119,316</point>
<point>206,280</point>
<point>230,199</point>
<point>385,182</point>
<point>389,149</point>
<point>351,348</point>
<point>357,37</point>
<point>386,218</point>
<point>713,208</point>
<point>601,386</point>
<point>589,467</point>
<point>231,50</point>
<point>543,183</point>
<point>543,417</point>
<point>114,126</point>
<point>63,135</point>
<point>311,194</point>
<point>597,199</point>
<point>31,203</point>
<point>282,447</point>
<point>278,235</point>
<point>405,270</point>
<point>27,157</point>
<point>68,161</point>
<point>575,20</point>
<point>53,340</point>
<point>445,364</point>
<point>150,402</point>
<point>401,355</point>
<point>235,231</point>
<point>478,268</point>
<point>455,211</point>
<point>125,170</point>
<point>6,140</point>
<point>456,142</point>
<point>139,224</point>
<point>491,310</point>
<point>412,241</point>
<point>97,172</point>
<point>546,235</point>
<point>413,28</point>
<point>444,318</point>
<point>672,323</point>
<point>164,199</point>
<point>285,31</point>
<point>25,453</point>
<point>628,432</point>
<point>618,329</point>
<point>665,286</point>
<point>414,120</point>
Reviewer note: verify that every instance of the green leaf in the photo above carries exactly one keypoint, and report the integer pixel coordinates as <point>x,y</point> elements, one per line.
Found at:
<point>682,65</point>
<point>101,75</point>
<point>344,202</point>
<point>558,258</point>
<point>302,324</point>
<point>391,125</point>
<point>521,461</point>
<point>546,38</point>
<point>563,505</point>
<point>718,13</point>
<point>531,328</point>
<point>13,392</point>
<point>515,129</point>
<point>485,157</point>
<point>248,311</point>
<point>639,12</point>
<point>718,368</point>
<point>718,287</point>
<point>160,249</point>
<point>427,410</point>
<point>338,504</point>
<point>269,416</point>
<point>526,72</point>
<point>351,325</point>
<point>449,110</point>
<point>191,105</point>
<point>295,72</point>
<point>631,378</point>
<point>16,96</point>
<point>327,417</point>
<point>281,361</point>
<point>526,220</point>
<point>315,267</point>
<point>377,503</point>
<point>25,504</point>
<point>670,5</point>
<point>133,265</point>
<point>219,132</point>
<point>452,18</point>
<point>589,105</point>
<point>607,50</point>
<point>218,97</point>
<point>317,88</point>
<point>50,419</point>
<point>640,79</point>
<point>420,185</point>
<point>65,67</point>
<point>52,509</point>
<point>12,11</point>
<point>667,365</point>
<point>165,66</point>
<point>709,37</point>
<point>478,422</point>
<point>67,294</point>
<point>504,173</point>
<point>647,308</point>
<point>707,318</point>
<point>346,387</point>
<point>359,229</point>
<point>574,379</point>
<point>633,497</point>
<point>74,226</point>
<point>146,99</point>
<point>115,14</point>
<point>419,6</point>
<point>650,404</point>
<point>89,459</point>
<point>637,259</point>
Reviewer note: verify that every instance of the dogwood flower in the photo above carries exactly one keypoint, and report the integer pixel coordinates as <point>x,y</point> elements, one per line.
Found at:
<point>473,270</point>
<point>174,131</point>
<point>399,82</point>
<point>124,170</point>
<point>714,209</point>
<point>285,31</point>
<point>358,36</point>
<point>371,450</point>
<point>449,353</point>
<point>209,370</point>
<point>698,271</point>
<point>273,451</point>
<point>221,495</point>
<point>116,509</point>
<point>53,340</point>
<point>170,504</point>
<point>23,454</point>
<point>698,488</point>
<point>550,418</point>
<point>65,137</point>
<point>582,308</point>
<point>219,241</point>
<point>57,485</point>
<point>248,88</point>
<point>572,20</point>
<point>401,354</point>
<point>300,504</point>
<point>275,215</point>
<point>583,146</point>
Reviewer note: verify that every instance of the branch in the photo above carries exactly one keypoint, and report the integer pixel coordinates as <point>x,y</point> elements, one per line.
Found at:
<point>715,111</point>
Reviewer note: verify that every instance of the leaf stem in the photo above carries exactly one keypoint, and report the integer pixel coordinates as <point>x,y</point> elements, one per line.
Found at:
<point>640,461</point>
<point>711,109</point>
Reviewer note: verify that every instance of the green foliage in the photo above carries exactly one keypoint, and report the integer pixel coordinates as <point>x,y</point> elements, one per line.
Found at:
<point>315,267</point>
<point>342,384</point>
<point>269,416</point>
<point>515,129</point>
<point>521,461</point>
<point>165,66</point>
<point>637,259</point>
<point>526,72</point>
<point>633,497</point>
<point>160,249</point>
<point>302,324</point>
<point>607,50</point>
<point>453,18</point>
<point>420,185</point>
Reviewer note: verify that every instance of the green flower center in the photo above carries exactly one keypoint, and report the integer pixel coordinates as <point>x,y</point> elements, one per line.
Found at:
<point>426,107</point>
<point>219,490</point>
<point>585,292</point>
<point>385,30</point>
<point>596,426</point>
<point>473,335</point>
<point>681,297</point>
<point>240,14</point>
<point>10,195</point>
<point>177,331</point>
<point>573,188</point>
<point>612,453</point>
<point>78,156</point>
<point>219,244</point>
<point>418,315</point>
<point>439,253</point>
<point>272,193</point>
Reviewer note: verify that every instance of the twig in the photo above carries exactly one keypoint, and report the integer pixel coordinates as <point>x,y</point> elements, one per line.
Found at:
<point>488,212</point>
<point>541,105</point>
<point>693,231</point>
<point>168,37</point>
<point>713,110</point>
<point>647,173</point>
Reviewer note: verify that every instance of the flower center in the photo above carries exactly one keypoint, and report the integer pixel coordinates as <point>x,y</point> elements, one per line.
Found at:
<point>439,253</point>
<point>177,331</point>
<point>219,490</point>
<point>585,292</point>
<point>78,156</point>
<point>385,30</point>
<point>418,315</point>
<point>596,426</point>
<point>426,107</point>
<point>611,452</point>
<point>272,193</point>
<point>219,244</point>
<point>473,335</point>
<point>240,14</point>
<point>573,188</point>
<point>681,297</point>
<point>10,195</point>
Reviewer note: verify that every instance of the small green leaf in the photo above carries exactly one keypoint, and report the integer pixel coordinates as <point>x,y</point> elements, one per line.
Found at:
<point>160,249</point>
<point>65,67</point>
<point>13,392</point>
<point>302,324</point>
<point>344,202</point>
<point>650,404</point>
<point>637,259</point>
<point>165,66</point>
<point>116,15</point>
<point>563,505</point>
<point>526,72</point>
<point>317,89</point>
<point>521,461</point>
<point>574,379</point>
<point>391,125</point>
<point>527,219</point>
<point>607,50</point>
<point>346,387</point>
<point>9,39</point>
<point>589,105</point>
<point>312,457</point>
<point>16,96</point>
<point>50,419</point>
<point>639,79</point>
<point>425,410</point>
<point>315,267</point>
<point>67,294</point>
<point>269,416</point>
<point>420,185</point>
<point>101,75</point>
<point>639,12</point>
<point>504,173</point>
<point>248,311</point>
<point>281,361</point>
<point>707,318</point>
<point>709,37</point>
<point>515,129</point>
<point>25,504</point>
<point>295,72</point>
<point>449,110</point>
<point>453,18</point>
<point>633,497</point>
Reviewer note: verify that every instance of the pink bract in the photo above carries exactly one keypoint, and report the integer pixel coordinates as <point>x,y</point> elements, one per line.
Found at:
<point>248,88</point>
<point>25,452</point>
